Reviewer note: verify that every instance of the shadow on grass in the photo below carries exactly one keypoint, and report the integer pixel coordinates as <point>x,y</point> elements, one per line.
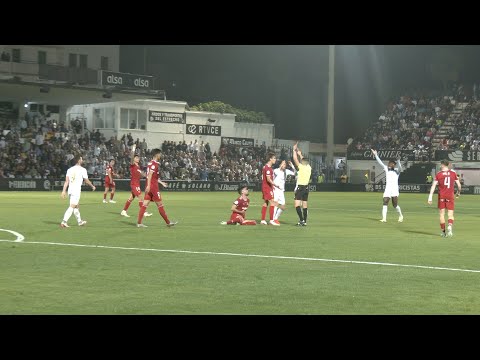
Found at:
<point>129,223</point>
<point>418,232</point>
<point>53,222</point>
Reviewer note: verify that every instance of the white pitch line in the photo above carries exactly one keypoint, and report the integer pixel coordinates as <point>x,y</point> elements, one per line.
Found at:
<point>19,236</point>
<point>246,255</point>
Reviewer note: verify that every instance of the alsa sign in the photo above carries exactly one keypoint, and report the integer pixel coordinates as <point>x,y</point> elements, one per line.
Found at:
<point>124,80</point>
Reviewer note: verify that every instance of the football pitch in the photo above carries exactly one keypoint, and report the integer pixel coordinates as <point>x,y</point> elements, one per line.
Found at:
<point>344,262</point>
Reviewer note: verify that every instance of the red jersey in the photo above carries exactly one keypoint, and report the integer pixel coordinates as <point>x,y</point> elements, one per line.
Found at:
<point>446,184</point>
<point>153,167</point>
<point>135,175</point>
<point>241,205</point>
<point>107,178</point>
<point>267,171</point>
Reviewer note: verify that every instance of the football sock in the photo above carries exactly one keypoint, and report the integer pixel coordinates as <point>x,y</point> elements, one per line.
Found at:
<point>111,196</point>
<point>68,213</point>
<point>450,222</point>
<point>264,212</point>
<point>442,226</point>
<point>249,222</point>
<point>161,210</point>
<point>278,213</point>
<point>76,212</point>
<point>140,203</point>
<point>272,208</point>
<point>399,211</point>
<point>299,212</point>
<point>127,205</point>
<point>104,196</point>
<point>141,213</point>
<point>305,213</point>
<point>384,212</point>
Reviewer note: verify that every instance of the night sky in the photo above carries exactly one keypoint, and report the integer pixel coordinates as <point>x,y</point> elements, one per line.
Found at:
<point>290,82</point>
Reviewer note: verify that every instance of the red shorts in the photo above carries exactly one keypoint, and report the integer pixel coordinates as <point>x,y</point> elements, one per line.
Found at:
<point>136,191</point>
<point>267,194</point>
<point>108,183</point>
<point>153,195</point>
<point>448,204</point>
<point>236,217</point>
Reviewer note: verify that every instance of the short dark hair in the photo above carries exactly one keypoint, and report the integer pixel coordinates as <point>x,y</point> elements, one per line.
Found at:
<point>393,161</point>
<point>305,158</point>
<point>270,154</point>
<point>155,152</point>
<point>241,187</point>
<point>76,158</point>
<point>445,162</point>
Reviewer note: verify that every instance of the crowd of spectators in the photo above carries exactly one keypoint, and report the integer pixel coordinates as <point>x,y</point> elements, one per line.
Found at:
<point>410,122</point>
<point>38,147</point>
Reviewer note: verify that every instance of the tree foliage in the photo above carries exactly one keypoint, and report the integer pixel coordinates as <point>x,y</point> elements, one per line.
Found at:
<point>242,115</point>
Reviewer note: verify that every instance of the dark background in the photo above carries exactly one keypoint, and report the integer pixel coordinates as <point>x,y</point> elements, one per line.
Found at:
<point>290,82</point>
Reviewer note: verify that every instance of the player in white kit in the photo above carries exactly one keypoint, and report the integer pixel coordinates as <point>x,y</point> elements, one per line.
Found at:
<point>279,176</point>
<point>74,180</point>
<point>391,188</point>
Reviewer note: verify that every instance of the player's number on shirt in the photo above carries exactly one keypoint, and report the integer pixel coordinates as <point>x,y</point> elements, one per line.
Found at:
<point>446,182</point>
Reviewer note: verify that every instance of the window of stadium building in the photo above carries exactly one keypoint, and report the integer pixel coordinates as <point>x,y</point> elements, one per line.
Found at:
<point>133,119</point>
<point>104,118</point>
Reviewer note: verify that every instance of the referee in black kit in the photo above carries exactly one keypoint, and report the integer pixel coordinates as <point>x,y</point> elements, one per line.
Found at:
<point>301,190</point>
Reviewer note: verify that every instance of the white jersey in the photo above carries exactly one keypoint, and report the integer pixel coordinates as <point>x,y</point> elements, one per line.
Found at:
<point>75,175</point>
<point>279,178</point>
<point>391,176</point>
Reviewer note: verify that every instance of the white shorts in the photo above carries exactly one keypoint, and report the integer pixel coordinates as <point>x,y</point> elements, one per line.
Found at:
<point>389,193</point>
<point>279,196</point>
<point>74,199</point>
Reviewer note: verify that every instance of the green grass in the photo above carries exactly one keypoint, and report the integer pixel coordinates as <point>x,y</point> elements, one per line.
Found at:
<point>53,279</point>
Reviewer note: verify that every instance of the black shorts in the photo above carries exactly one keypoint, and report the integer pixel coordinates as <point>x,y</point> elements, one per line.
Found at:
<point>302,193</point>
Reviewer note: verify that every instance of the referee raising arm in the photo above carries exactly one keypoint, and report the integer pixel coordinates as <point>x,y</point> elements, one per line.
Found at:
<point>301,190</point>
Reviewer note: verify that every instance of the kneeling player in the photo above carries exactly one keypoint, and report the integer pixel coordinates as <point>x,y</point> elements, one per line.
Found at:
<point>239,209</point>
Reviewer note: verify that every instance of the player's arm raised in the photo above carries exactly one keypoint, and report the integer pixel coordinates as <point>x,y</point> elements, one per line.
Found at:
<point>132,155</point>
<point>65,185</point>
<point>295,156</point>
<point>293,171</point>
<point>399,162</point>
<point>432,189</point>
<point>374,152</point>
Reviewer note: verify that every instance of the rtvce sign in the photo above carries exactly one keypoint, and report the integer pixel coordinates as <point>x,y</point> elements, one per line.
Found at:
<point>124,80</point>
<point>194,129</point>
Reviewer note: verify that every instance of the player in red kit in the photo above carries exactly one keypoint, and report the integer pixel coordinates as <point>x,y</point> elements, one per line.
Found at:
<point>109,183</point>
<point>267,189</point>
<point>239,209</point>
<point>136,173</point>
<point>152,192</point>
<point>445,179</point>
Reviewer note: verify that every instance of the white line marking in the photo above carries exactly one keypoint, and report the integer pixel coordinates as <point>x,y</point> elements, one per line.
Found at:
<point>247,255</point>
<point>20,237</point>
